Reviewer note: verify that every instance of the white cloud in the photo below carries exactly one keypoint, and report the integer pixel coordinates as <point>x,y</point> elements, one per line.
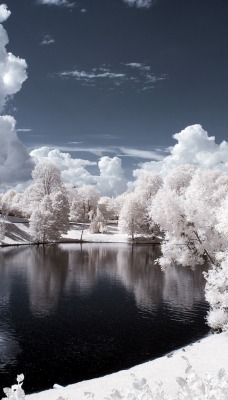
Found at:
<point>47,40</point>
<point>152,155</point>
<point>4,13</point>
<point>131,75</point>
<point>111,179</point>
<point>73,170</point>
<point>15,163</point>
<point>194,146</point>
<point>82,75</point>
<point>139,3</point>
<point>24,130</point>
<point>83,10</point>
<point>141,66</point>
<point>63,3</point>
<point>12,70</point>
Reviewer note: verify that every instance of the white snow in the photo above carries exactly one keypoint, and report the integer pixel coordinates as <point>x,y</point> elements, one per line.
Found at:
<point>111,236</point>
<point>208,355</point>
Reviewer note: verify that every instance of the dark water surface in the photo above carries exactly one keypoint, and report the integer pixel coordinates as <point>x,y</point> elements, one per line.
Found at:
<point>69,313</point>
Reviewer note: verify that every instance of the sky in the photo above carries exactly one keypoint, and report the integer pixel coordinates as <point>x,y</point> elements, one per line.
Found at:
<point>115,79</point>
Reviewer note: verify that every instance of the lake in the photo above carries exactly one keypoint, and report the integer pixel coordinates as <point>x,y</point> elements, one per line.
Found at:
<point>71,312</point>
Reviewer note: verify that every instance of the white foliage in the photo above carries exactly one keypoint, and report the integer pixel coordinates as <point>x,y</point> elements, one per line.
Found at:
<point>188,212</point>
<point>47,178</point>
<point>191,387</point>
<point>2,229</point>
<point>132,216</point>
<point>216,293</point>
<point>15,392</point>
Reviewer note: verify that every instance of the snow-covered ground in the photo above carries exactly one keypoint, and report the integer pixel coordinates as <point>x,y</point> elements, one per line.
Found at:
<point>208,355</point>
<point>17,232</point>
<point>112,235</point>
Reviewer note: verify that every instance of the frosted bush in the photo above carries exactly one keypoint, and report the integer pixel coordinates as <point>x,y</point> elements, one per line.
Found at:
<point>191,387</point>
<point>15,392</point>
<point>216,293</point>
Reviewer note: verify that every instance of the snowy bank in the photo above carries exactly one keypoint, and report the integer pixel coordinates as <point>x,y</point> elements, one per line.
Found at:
<point>17,233</point>
<point>208,355</point>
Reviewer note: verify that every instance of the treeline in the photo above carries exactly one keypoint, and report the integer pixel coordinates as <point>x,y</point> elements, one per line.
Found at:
<point>189,206</point>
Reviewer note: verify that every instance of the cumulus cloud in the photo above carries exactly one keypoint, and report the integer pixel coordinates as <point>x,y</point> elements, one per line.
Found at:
<point>47,40</point>
<point>63,3</point>
<point>15,163</point>
<point>194,146</point>
<point>127,75</point>
<point>4,13</point>
<point>110,180</point>
<point>139,3</point>
<point>12,68</point>
<point>73,170</point>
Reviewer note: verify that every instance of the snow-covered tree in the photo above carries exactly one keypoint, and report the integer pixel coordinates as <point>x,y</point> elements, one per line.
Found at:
<point>50,219</point>
<point>2,229</point>
<point>61,210</point>
<point>89,197</point>
<point>7,200</point>
<point>216,292</point>
<point>187,214</point>
<point>42,222</point>
<point>132,216</point>
<point>47,178</point>
<point>107,207</point>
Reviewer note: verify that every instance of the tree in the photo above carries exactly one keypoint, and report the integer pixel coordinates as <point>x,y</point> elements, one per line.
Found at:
<point>187,215</point>
<point>89,198</point>
<point>132,216</point>
<point>47,178</point>
<point>216,293</point>
<point>42,222</point>
<point>61,211</point>
<point>2,229</point>
<point>7,200</point>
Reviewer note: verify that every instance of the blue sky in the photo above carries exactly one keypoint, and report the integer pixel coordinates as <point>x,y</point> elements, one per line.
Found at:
<point>119,77</point>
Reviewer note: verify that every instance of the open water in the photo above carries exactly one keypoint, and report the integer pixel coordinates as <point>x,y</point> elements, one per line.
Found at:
<point>70,312</point>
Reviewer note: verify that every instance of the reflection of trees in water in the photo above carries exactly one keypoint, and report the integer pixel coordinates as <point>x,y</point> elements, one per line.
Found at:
<point>46,278</point>
<point>9,346</point>
<point>183,287</point>
<point>140,275</point>
<point>86,264</point>
<point>56,269</point>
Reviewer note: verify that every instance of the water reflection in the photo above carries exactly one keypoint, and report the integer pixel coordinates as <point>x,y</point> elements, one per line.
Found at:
<point>119,284</point>
<point>52,271</point>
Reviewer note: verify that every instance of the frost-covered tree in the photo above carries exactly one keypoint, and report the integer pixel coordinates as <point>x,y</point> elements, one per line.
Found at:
<point>42,222</point>
<point>61,210</point>
<point>47,178</point>
<point>50,219</point>
<point>46,181</point>
<point>89,196</point>
<point>132,216</point>
<point>98,223</point>
<point>187,214</point>
<point>107,207</point>
<point>7,200</point>
<point>216,292</point>
<point>2,229</point>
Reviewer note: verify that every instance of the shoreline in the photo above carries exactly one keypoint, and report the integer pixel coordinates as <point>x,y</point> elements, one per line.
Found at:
<point>206,355</point>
